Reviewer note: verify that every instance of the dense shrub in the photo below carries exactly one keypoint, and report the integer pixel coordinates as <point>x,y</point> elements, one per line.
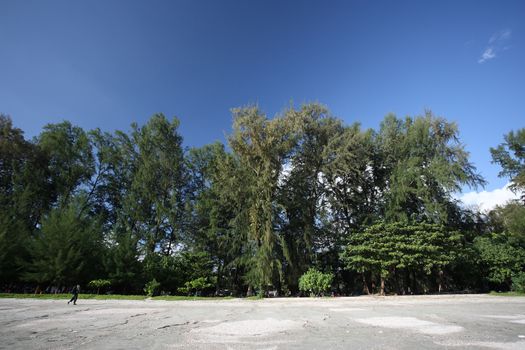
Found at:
<point>151,287</point>
<point>99,284</point>
<point>518,282</point>
<point>315,282</point>
<point>196,286</point>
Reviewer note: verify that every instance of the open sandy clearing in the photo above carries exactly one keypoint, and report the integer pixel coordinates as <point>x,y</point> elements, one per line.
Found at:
<point>421,322</point>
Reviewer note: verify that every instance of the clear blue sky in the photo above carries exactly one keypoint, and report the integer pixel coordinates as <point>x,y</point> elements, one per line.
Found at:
<point>108,63</point>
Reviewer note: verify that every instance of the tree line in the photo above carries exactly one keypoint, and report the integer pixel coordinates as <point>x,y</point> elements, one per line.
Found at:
<point>298,193</point>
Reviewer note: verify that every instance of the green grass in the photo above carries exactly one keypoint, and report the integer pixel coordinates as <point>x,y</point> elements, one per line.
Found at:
<point>106,297</point>
<point>508,294</point>
<point>181,297</point>
<point>68,296</point>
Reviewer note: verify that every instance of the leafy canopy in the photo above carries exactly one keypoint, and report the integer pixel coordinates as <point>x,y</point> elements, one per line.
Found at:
<point>315,282</point>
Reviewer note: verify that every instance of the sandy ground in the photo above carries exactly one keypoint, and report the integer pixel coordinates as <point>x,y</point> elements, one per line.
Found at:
<point>415,322</point>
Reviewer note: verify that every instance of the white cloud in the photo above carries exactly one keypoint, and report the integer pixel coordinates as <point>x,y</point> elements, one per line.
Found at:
<point>501,35</point>
<point>497,43</point>
<point>488,54</point>
<point>488,200</point>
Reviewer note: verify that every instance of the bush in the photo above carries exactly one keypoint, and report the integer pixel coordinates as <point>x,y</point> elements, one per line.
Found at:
<point>100,283</point>
<point>151,287</point>
<point>518,282</point>
<point>315,282</point>
<point>501,261</point>
<point>196,285</point>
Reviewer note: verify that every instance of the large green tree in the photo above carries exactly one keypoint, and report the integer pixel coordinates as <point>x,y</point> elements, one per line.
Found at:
<point>303,196</point>
<point>263,146</point>
<point>71,161</point>
<point>510,155</point>
<point>350,176</point>
<point>144,184</point>
<point>67,249</point>
<point>215,206</point>
<point>424,164</point>
<point>25,194</point>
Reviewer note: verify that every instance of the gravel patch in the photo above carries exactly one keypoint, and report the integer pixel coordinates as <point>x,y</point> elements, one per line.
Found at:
<point>411,323</point>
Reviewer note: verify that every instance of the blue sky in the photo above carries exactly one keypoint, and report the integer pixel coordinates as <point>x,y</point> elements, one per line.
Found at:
<point>108,63</point>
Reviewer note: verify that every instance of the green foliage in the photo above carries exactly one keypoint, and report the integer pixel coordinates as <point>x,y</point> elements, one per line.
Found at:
<point>509,218</point>
<point>302,194</point>
<point>262,145</point>
<point>216,211</point>
<point>388,249</point>
<point>173,271</point>
<point>315,282</point>
<point>195,286</point>
<point>71,160</point>
<point>510,155</point>
<point>122,265</point>
<point>24,194</point>
<point>151,288</point>
<point>349,176</point>
<point>131,207</point>
<point>13,246</point>
<point>423,164</point>
<point>518,282</point>
<point>67,249</point>
<point>99,284</point>
<point>155,195</point>
<point>499,259</point>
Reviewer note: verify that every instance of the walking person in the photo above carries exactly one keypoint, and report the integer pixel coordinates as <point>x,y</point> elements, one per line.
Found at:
<point>75,291</point>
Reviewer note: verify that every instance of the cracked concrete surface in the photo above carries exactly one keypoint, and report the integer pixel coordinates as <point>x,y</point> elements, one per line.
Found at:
<point>408,322</point>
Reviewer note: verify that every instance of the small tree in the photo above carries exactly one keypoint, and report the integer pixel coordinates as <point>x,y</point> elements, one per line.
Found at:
<point>100,283</point>
<point>388,249</point>
<point>315,282</point>
<point>196,285</point>
<point>151,287</point>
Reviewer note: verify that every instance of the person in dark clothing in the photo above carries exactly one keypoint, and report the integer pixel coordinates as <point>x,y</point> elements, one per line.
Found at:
<point>75,291</point>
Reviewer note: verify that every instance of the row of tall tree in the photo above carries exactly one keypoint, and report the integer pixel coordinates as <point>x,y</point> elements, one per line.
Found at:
<point>301,190</point>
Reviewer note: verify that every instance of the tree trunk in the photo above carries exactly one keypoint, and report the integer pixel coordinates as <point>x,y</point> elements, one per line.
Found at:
<point>365,285</point>
<point>414,282</point>
<point>395,276</point>
<point>440,287</point>
<point>382,292</point>
<point>405,282</point>
<point>219,274</point>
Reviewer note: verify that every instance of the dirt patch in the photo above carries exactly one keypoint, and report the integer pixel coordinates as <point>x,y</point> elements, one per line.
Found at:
<point>233,332</point>
<point>411,323</point>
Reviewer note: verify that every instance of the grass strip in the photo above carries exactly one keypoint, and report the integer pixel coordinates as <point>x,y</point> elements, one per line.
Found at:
<point>106,297</point>
<point>507,294</point>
